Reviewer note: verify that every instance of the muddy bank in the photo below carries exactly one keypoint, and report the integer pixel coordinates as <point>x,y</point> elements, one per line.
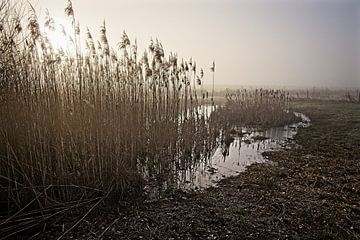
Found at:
<point>308,192</point>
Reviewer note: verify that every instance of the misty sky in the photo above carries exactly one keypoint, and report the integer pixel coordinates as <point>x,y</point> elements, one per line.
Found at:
<point>254,42</point>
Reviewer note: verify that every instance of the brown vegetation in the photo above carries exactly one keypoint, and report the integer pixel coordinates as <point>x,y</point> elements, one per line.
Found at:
<point>78,127</point>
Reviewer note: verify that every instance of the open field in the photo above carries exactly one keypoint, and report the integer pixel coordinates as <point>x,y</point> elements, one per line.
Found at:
<point>307,192</point>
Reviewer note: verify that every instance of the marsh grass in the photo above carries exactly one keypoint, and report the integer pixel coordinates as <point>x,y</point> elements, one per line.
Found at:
<point>257,108</point>
<point>88,118</point>
<point>102,121</point>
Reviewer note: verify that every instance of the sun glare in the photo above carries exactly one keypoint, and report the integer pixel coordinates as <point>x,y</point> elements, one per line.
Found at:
<point>61,36</point>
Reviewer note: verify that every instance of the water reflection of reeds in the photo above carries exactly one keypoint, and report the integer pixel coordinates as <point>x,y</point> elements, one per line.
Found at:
<point>224,154</point>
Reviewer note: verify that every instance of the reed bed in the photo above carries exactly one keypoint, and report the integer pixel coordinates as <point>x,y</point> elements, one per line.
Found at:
<point>88,120</point>
<point>257,108</point>
<point>102,121</point>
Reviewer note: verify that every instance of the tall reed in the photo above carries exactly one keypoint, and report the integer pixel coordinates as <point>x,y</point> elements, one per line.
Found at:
<point>257,107</point>
<point>102,120</point>
<point>90,119</point>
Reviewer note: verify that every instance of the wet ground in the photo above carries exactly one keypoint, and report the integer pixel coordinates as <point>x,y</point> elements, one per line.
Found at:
<point>311,191</point>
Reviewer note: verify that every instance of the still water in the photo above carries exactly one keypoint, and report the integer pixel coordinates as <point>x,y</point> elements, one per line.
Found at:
<point>245,150</point>
<point>228,159</point>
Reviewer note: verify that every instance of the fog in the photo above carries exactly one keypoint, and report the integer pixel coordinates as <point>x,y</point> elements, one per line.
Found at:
<point>254,42</point>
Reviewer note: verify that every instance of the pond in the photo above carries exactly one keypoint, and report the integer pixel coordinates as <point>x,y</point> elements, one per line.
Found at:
<point>232,158</point>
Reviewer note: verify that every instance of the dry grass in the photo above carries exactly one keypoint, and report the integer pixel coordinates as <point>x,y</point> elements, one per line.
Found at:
<point>258,108</point>
<point>88,118</point>
<point>99,121</point>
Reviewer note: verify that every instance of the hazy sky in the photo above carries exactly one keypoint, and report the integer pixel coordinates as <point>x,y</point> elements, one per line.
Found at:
<point>254,42</point>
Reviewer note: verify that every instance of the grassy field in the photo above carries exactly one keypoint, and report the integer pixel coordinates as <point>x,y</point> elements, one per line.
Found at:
<point>307,192</point>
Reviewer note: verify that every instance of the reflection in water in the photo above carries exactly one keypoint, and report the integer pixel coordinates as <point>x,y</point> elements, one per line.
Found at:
<point>230,160</point>
<point>205,164</point>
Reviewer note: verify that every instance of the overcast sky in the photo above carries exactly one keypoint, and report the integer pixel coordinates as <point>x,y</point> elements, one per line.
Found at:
<point>254,42</point>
